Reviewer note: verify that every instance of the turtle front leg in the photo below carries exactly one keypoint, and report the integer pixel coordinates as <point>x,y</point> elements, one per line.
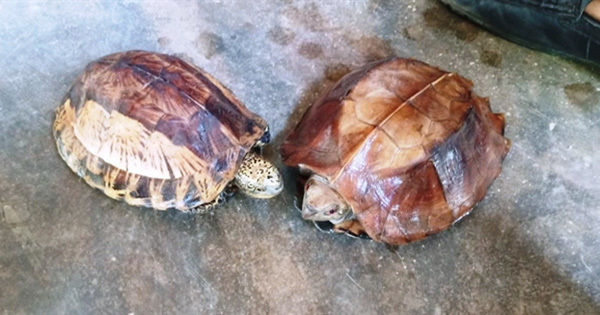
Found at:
<point>351,228</point>
<point>204,208</point>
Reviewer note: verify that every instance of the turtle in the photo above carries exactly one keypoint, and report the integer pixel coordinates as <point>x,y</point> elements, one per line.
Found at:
<point>396,150</point>
<point>156,131</point>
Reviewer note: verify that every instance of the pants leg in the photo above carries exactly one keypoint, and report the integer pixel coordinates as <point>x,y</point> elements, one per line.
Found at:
<point>555,26</point>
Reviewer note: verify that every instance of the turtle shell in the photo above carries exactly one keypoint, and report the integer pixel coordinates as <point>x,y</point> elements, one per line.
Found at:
<point>410,147</point>
<point>154,130</point>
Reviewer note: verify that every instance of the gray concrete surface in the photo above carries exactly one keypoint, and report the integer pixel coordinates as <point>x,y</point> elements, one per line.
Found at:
<point>530,247</point>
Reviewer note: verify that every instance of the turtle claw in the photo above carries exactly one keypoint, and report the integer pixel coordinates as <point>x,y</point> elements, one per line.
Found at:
<point>362,236</point>
<point>204,208</point>
<point>298,206</point>
<point>201,209</point>
<point>324,226</point>
<point>352,228</point>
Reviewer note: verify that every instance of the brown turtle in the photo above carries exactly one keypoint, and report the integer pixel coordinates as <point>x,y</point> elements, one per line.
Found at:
<point>159,132</point>
<point>398,150</point>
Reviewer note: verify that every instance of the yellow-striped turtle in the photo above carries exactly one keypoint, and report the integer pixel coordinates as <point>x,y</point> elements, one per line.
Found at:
<point>156,131</point>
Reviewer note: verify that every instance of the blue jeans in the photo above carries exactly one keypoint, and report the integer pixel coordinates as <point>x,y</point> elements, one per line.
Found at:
<point>555,26</point>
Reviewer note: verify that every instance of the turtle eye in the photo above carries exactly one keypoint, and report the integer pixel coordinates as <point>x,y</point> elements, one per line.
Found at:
<point>332,211</point>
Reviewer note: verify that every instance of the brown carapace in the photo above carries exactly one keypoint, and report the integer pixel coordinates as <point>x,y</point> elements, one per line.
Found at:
<point>154,130</point>
<point>409,147</point>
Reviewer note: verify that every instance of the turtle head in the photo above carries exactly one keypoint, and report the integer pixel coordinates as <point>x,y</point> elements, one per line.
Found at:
<point>258,177</point>
<point>323,203</point>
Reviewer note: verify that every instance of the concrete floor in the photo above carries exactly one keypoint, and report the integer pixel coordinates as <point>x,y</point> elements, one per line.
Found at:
<point>530,247</point>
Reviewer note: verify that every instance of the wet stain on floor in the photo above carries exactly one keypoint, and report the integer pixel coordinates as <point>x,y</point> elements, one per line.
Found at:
<point>490,58</point>
<point>414,32</point>
<point>308,17</point>
<point>281,35</point>
<point>444,20</point>
<point>163,41</point>
<point>336,71</point>
<point>583,95</point>
<point>310,50</point>
<point>372,47</point>
<point>209,44</point>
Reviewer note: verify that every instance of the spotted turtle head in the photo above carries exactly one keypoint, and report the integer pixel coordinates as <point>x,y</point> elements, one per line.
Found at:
<point>258,177</point>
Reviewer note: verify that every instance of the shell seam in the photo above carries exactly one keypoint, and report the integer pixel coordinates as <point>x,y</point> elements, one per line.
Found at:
<point>227,131</point>
<point>360,146</point>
